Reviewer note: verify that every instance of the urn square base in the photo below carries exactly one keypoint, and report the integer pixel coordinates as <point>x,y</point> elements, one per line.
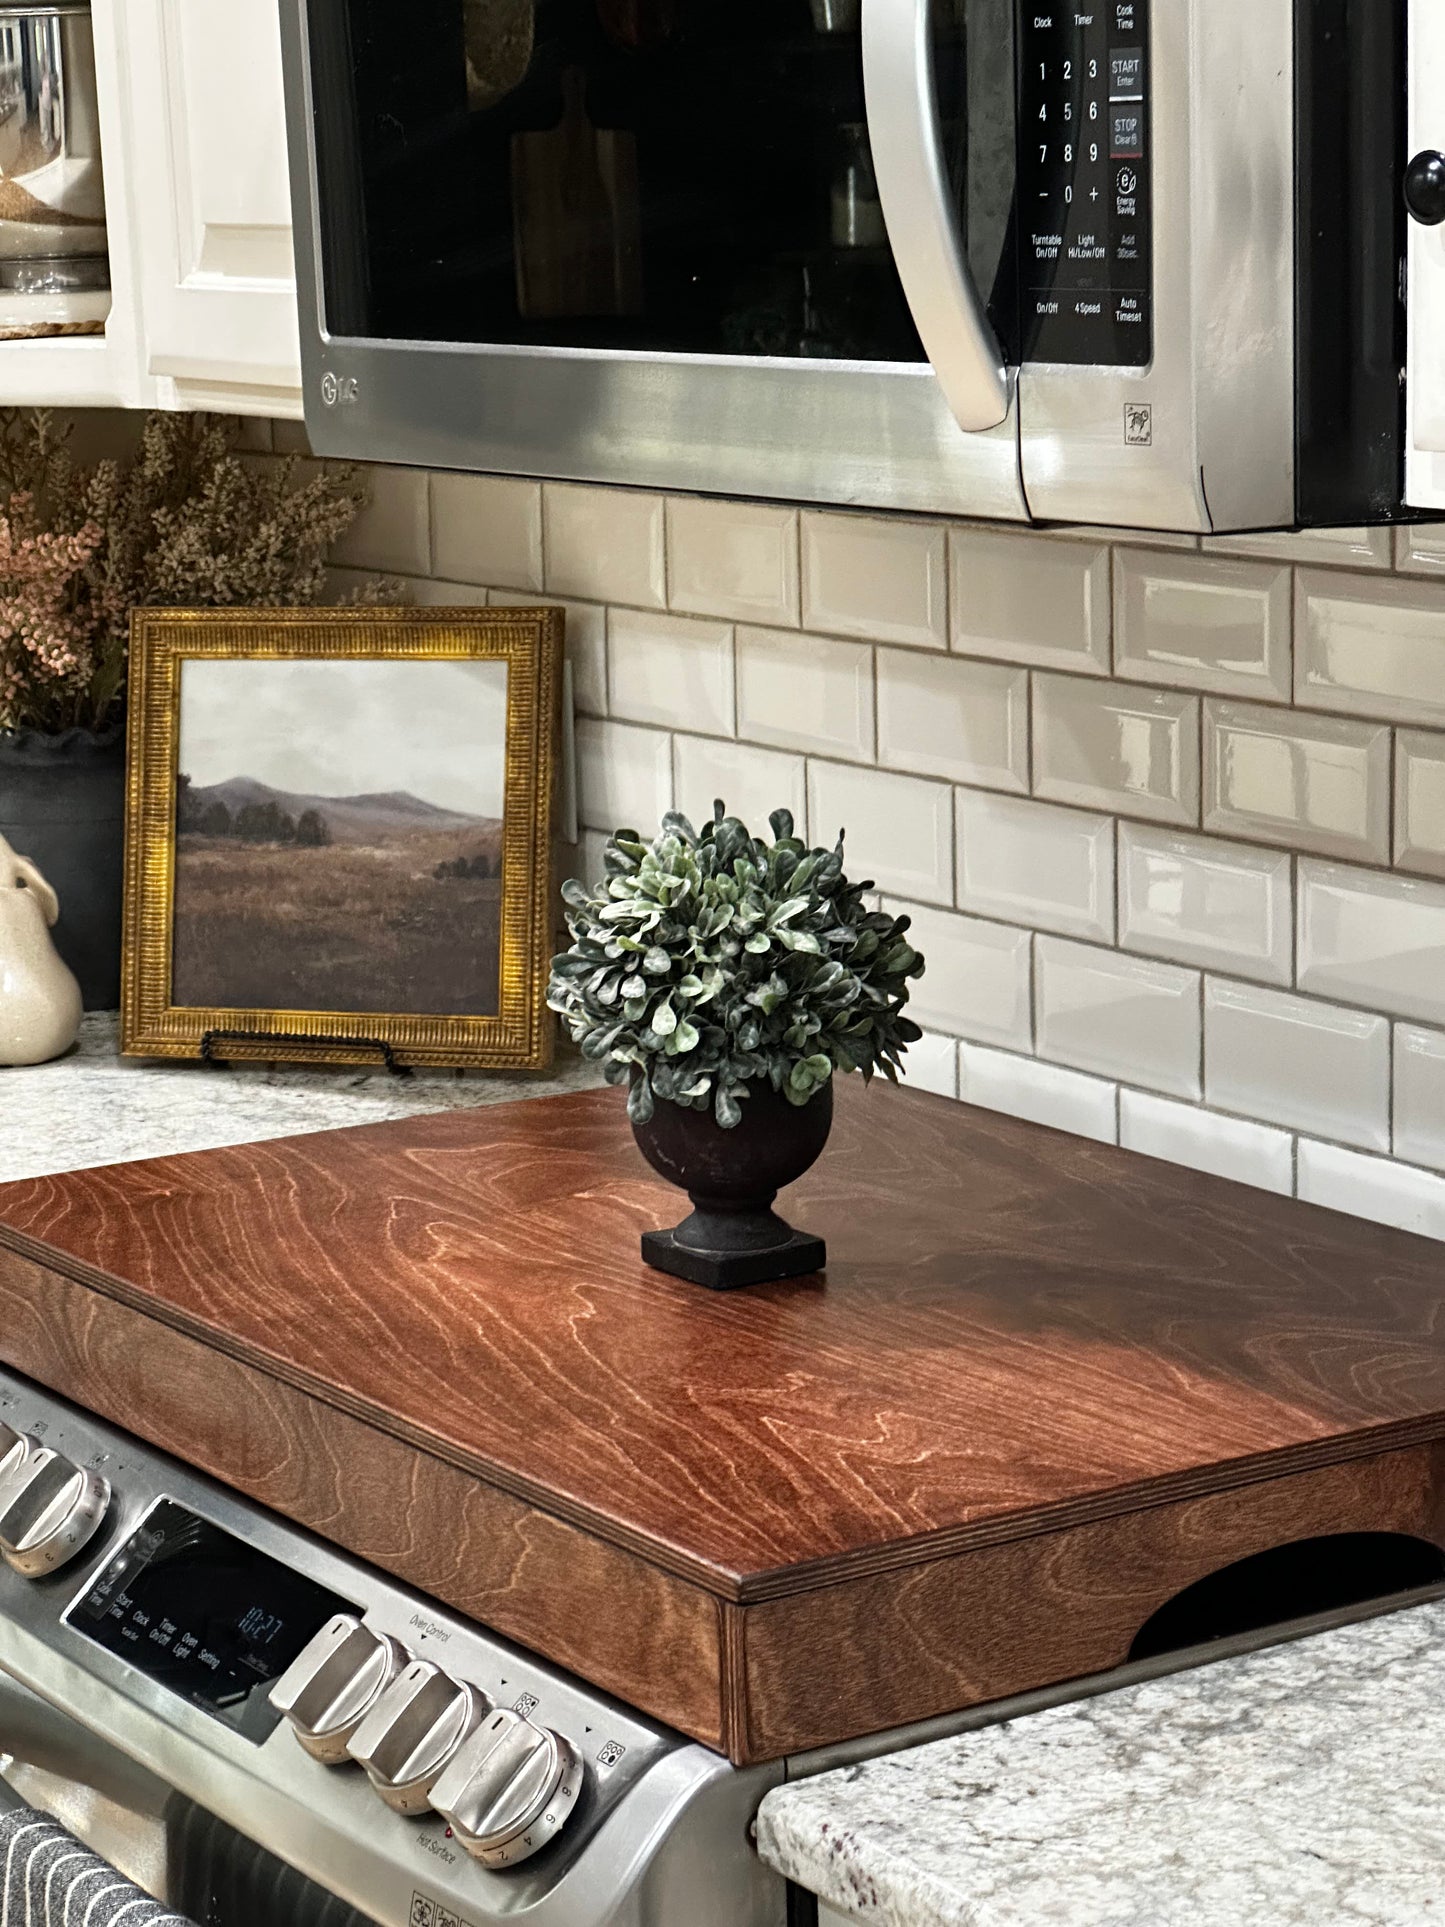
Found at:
<point>726,1270</point>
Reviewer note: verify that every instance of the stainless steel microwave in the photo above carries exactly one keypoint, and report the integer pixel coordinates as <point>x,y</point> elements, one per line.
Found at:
<point>1132,262</point>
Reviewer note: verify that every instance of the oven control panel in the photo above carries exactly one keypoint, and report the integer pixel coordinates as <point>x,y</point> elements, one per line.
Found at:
<point>1084,196</point>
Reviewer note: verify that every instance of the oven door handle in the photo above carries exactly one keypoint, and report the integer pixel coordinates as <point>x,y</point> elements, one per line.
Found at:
<point>913,187</point>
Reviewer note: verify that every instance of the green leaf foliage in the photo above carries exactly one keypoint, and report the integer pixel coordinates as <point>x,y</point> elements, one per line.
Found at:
<point>707,962</point>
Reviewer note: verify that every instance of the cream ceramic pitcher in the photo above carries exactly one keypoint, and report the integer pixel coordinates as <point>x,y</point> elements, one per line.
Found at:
<point>40,1004</point>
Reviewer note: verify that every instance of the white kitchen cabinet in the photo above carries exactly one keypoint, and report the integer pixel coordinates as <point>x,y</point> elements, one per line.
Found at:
<point>210,202</point>
<point>1425,268</point>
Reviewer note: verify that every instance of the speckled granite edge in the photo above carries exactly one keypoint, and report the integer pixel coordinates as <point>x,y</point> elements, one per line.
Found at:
<point>1302,1784</point>
<point>95,1107</point>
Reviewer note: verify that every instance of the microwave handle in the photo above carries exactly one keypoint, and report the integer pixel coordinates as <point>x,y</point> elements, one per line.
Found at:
<point>913,187</point>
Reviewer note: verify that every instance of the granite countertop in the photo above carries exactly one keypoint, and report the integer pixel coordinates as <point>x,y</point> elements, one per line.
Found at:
<point>1299,1784</point>
<point>95,1107</point>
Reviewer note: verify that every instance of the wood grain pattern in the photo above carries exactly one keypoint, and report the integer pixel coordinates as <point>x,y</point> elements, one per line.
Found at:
<point>1031,1356</point>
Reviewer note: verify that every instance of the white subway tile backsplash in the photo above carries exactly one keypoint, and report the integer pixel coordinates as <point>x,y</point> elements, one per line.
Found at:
<point>932,1065</point>
<point>734,559</point>
<point>1030,599</point>
<point>487,528</point>
<point>752,782</point>
<point>1420,548</point>
<point>1372,1188</point>
<point>1305,1065</point>
<point>1373,940</point>
<point>670,669</point>
<point>1226,1147</point>
<point>1198,901</point>
<point>1036,863</point>
<point>1203,623</point>
<point>1420,1095</point>
<point>900,828</point>
<point>1313,782</point>
<point>1123,1017</point>
<point>1420,800</point>
<point>806,692</point>
<point>624,776</point>
<point>876,577</point>
<point>979,978</point>
<point>1330,548</point>
<point>1115,746</point>
<point>604,544</point>
<point>392,534</point>
<point>1370,648</point>
<point>947,716</point>
<point>1042,1093</point>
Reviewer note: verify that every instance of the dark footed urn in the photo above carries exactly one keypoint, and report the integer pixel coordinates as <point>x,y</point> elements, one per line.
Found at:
<point>734,1237</point>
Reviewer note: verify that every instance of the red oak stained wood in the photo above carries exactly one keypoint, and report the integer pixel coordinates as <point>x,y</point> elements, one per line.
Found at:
<point>1025,1346</point>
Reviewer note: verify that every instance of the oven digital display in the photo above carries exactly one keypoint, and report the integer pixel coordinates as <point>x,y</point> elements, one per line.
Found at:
<point>1084,206</point>
<point>204,1614</point>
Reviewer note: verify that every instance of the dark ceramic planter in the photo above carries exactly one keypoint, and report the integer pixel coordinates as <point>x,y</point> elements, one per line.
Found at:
<point>734,1237</point>
<point>62,804</point>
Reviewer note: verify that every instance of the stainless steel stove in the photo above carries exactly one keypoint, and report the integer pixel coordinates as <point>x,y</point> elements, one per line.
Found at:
<point>266,1729</point>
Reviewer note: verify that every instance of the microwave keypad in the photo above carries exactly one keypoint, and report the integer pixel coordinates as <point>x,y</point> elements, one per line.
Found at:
<point>1084,203</point>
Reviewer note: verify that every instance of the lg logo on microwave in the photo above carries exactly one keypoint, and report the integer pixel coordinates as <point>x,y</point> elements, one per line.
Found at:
<point>338,391</point>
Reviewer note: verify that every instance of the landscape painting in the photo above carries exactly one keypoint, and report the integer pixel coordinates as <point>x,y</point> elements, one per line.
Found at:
<point>339,837</point>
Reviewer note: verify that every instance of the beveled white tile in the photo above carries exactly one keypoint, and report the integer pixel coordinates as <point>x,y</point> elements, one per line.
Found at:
<point>586,858</point>
<point>1030,599</point>
<point>1197,901</point>
<point>1201,622</point>
<point>1123,1017</point>
<point>1305,1065</point>
<point>735,559</point>
<point>392,534</point>
<point>979,976</point>
<point>1374,1188</point>
<point>932,1065</point>
<point>1226,1147</point>
<point>807,692</point>
<point>1116,746</point>
<point>624,776</point>
<point>604,544</point>
<point>1420,1095</point>
<point>1314,782</point>
<point>586,641</point>
<point>1420,801</point>
<point>1420,548</point>
<point>1373,939</point>
<point>670,669</point>
<point>947,716</point>
<point>899,828</point>
<point>1371,648</point>
<point>1035,863</point>
<point>1043,1093</point>
<point>751,782</point>
<point>877,577</point>
<point>487,528</point>
<point>1330,548</point>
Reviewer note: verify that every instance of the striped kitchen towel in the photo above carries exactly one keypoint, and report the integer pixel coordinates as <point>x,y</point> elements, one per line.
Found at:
<point>48,1879</point>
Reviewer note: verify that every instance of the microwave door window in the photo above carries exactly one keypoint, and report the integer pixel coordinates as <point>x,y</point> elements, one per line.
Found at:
<point>671,176</point>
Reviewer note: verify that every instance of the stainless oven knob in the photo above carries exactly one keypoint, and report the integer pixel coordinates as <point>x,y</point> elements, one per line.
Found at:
<point>413,1731</point>
<point>509,1790</point>
<point>50,1510</point>
<point>13,1448</point>
<point>333,1683</point>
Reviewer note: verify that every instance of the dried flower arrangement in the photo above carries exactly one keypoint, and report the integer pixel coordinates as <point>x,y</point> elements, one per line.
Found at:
<point>185,522</point>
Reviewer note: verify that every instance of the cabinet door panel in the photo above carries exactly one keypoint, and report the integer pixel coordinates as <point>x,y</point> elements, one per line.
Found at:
<point>1425,356</point>
<point>215,211</point>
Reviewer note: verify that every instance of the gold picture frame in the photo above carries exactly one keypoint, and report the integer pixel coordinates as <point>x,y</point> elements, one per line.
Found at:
<point>527,643</point>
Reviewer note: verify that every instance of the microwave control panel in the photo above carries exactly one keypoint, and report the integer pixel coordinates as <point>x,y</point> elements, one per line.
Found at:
<point>1084,202</point>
